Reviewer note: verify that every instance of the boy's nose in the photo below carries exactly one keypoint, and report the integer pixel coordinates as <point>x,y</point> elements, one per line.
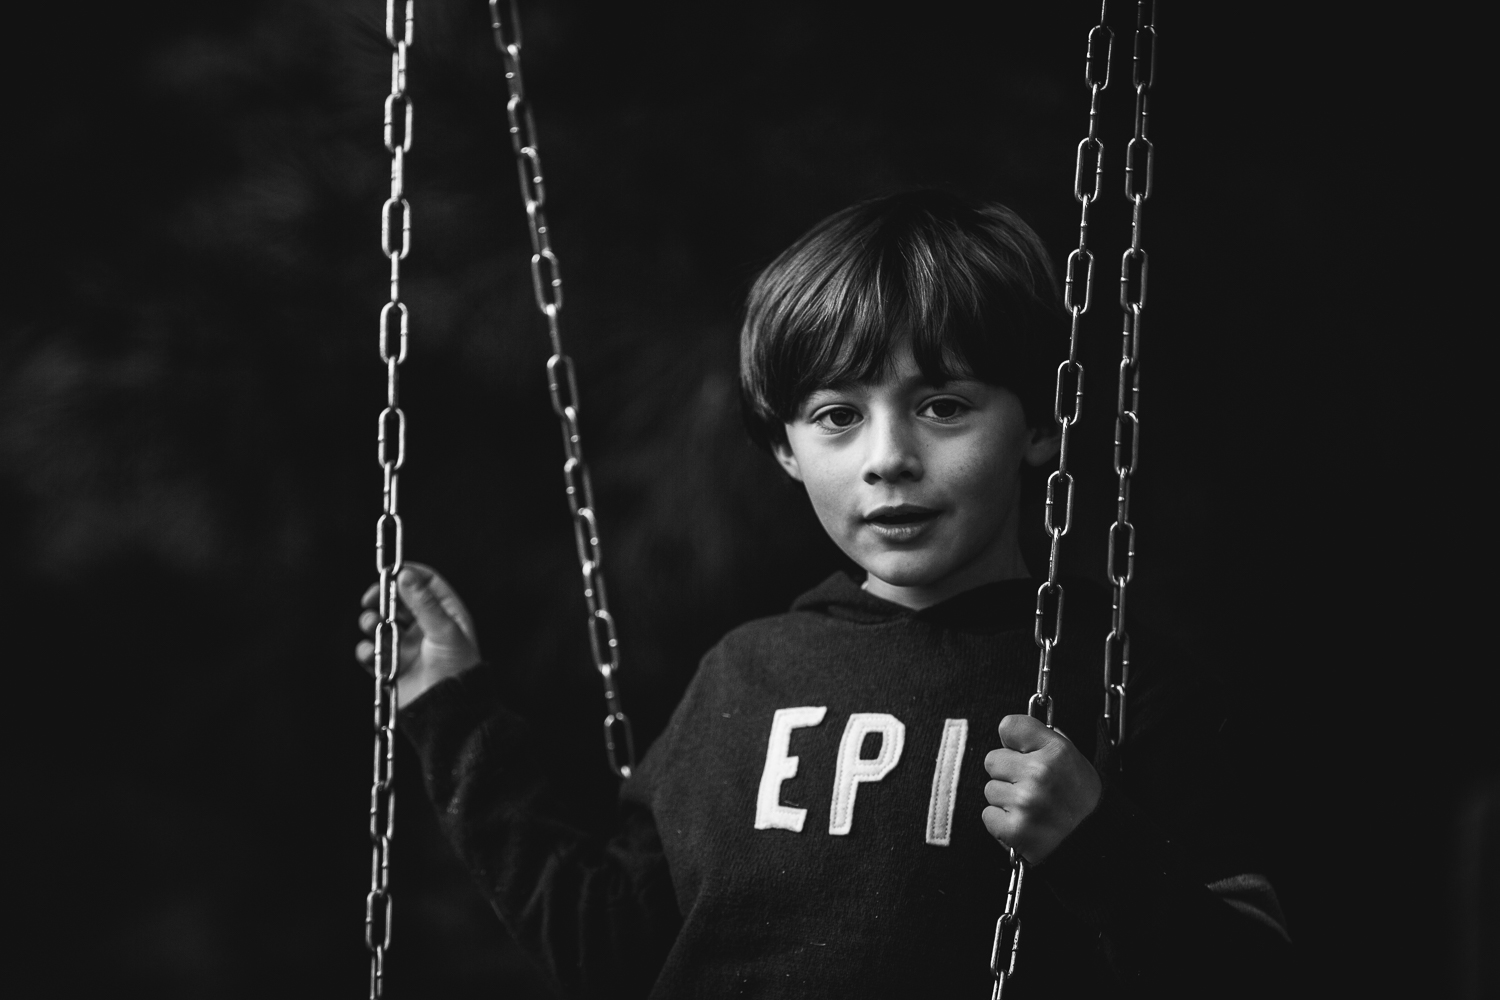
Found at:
<point>893,454</point>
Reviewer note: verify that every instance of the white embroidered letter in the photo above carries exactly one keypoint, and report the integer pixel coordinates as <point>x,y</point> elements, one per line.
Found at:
<point>950,760</point>
<point>853,769</point>
<point>769,812</point>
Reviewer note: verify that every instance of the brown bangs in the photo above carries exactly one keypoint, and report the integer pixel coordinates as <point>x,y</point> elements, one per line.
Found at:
<point>969,287</point>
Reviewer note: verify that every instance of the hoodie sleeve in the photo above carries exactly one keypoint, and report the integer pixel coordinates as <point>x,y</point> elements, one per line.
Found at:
<point>1161,868</point>
<point>597,910</point>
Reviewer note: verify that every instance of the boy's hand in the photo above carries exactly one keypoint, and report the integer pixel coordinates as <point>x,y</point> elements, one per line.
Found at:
<point>437,634</point>
<point>1042,788</point>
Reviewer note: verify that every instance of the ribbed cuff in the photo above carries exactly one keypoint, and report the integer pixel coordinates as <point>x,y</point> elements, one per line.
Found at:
<point>475,690</point>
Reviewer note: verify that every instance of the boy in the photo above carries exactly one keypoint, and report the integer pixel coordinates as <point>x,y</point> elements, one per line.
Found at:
<point>815,820</point>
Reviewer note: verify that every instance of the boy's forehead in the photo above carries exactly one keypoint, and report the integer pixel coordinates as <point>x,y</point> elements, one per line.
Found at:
<point>900,378</point>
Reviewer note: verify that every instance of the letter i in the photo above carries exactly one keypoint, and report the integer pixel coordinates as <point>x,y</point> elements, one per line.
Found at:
<point>950,761</point>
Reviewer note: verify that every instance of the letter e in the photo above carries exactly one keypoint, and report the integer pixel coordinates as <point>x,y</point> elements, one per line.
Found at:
<point>769,812</point>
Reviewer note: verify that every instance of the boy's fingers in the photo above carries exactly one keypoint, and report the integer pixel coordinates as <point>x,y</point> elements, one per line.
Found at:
<point>451,603</point>
<point>1000,824</point>
<point>1023,733</point>
<point>417,591</point>
<point>1005,765</point>
<point>364,652</point>
<point>371,599</point>
<point>1002,794</point>
<point>369,619</point>
<point>447,597</point>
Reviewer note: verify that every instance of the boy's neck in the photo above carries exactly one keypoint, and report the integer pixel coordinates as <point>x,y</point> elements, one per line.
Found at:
<point>1006,565</point>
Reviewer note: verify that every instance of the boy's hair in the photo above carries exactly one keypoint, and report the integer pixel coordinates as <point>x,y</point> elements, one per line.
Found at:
<point>970,285</point>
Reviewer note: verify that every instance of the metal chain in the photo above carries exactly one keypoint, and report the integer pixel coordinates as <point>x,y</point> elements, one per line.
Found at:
<point>1139,163</point>
<point>1089,160</point>
<point>395,217</point>
<point>546,281</point>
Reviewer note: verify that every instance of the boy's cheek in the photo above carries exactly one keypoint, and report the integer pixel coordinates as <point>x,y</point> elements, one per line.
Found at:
<point>833,507</point>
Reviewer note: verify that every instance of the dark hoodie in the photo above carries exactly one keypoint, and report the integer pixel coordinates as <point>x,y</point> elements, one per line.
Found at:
<point>735,870</point>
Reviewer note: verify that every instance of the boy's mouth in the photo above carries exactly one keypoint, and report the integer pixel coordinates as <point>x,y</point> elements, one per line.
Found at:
<point>900,521</point>
<point>905,513</point>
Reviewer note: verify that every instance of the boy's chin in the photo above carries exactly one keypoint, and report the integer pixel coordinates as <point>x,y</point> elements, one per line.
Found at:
<point>906,571</point>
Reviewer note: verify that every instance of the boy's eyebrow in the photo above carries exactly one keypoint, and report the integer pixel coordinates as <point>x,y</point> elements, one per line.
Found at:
<point>915,381</point>
<point>842,385</point>
<point>957,378</point>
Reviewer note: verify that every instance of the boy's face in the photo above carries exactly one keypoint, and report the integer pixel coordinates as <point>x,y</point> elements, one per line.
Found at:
<point>917,483</point>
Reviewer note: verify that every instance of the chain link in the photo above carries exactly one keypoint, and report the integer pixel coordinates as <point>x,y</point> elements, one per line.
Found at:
<point>1067,408</point>
<point>562,382</point>
<point>1139,166</point>
<point>390,453</point>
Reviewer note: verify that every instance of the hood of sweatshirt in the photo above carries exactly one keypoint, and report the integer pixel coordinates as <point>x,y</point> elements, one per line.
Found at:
<point>1003,606</point>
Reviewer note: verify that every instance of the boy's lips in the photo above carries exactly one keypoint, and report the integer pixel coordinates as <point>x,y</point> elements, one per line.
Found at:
<point>900,522</point>
<point>900,513</point>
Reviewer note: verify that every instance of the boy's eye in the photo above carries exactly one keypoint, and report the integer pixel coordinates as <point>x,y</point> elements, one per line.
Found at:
<point>945,409</point>
<point>837,418</point>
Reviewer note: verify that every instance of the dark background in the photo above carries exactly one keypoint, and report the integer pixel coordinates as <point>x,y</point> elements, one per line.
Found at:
<point>189,384</point>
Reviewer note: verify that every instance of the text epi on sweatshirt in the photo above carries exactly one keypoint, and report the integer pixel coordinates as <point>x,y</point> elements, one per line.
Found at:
<point>852,770</point>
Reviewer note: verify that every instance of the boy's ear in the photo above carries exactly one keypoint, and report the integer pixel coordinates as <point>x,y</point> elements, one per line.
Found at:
<point>783,452</point>
<point>1042,444</point>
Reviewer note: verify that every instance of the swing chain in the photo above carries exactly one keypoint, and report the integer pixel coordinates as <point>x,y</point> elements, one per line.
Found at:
<point>1008,929</point>
<point>390,453</point>
<point>562,383</point>
<point>1047,631</point>
<point>1069,387</point>
<point>1139,164</point>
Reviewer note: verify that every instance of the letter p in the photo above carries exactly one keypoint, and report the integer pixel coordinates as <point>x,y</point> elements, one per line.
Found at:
<point>853,769</point>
